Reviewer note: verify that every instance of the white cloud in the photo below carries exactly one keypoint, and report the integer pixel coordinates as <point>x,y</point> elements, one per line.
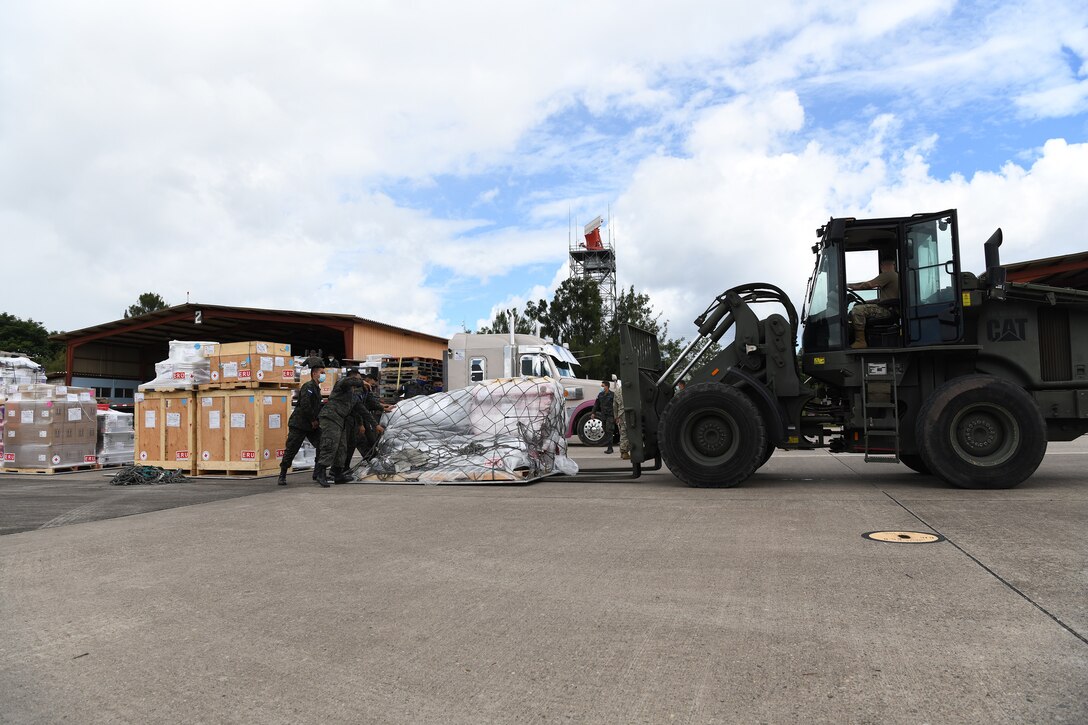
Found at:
<point>743,208</point>
<point>246,152</point>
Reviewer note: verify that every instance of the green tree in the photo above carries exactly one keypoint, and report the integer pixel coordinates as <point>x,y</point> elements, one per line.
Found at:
<point>575,318</point>
<point>523,325</point>
<point>29,338</point>
<point>147,302</point>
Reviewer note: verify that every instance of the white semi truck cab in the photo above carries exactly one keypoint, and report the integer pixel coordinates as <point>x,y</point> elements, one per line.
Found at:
<point>472,358</point>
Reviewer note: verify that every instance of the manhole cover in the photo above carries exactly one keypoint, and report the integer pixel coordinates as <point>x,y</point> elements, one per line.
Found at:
<point>903,537</point>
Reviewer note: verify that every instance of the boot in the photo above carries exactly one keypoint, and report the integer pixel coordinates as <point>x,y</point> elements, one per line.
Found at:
<point>859,339</point>
<point>608,450</point>
<point>625,455</point>
<point>282,480</point>
<point>338,476</point>
<point>319,475</point>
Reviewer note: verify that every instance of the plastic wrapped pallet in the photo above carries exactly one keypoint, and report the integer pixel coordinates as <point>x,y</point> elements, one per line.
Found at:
<point>187,364</point>
<point>49,427</point>
<point>497,430</point>
<point>16,371</point>
<point>116,437</point>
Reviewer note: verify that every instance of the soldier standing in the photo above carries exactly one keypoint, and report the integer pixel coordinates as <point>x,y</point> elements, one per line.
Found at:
<point>603,409</point>
<point>333,416</point>
<point>303,423</point>
<point>621,425</point>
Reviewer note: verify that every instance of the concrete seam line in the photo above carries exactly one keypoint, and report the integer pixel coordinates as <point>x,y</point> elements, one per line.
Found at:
<point>991,572</point>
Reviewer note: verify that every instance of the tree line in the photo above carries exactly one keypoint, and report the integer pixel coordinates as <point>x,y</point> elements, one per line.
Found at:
<point>575,317</point>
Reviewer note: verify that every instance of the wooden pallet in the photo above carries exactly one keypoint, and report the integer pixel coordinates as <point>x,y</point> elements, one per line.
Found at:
<point>232,472</point>
<point>248,385</point>
<point>51,471</point>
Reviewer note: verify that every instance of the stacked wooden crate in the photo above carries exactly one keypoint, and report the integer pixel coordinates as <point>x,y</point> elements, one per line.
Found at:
<point>398,371</point>
<point>234,425</point>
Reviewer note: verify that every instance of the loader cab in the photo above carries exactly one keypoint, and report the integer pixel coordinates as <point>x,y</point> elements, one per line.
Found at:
<point>925,249</point>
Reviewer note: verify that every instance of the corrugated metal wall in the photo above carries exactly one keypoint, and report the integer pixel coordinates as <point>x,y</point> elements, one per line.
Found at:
<point>104,360</point>
<point>372,340</point>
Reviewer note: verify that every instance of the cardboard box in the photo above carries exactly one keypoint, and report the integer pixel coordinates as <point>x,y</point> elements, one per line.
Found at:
<point>242,430</point>
<point>254,362</point>
<point>165,428</point>
<point>47,426</point>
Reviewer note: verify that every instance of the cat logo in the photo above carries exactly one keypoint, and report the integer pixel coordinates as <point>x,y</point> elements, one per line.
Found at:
<point>1007,330</point>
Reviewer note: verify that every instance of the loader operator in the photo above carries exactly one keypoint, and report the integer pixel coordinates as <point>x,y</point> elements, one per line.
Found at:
<point>342,404</point>
<point>887,285</point>
<point>303,423</point>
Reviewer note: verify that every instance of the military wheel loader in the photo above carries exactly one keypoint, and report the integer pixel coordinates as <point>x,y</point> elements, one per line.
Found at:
<point>967,378</point>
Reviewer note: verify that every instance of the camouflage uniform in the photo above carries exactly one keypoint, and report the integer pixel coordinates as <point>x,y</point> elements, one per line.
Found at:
<point>342,405</point>
<point>621,423</point>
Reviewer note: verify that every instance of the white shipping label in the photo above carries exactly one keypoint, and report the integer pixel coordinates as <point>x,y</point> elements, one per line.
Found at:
<point>85,397</point>
<point>41,433</point>
<point>230,370</point>
<point>11,433</point>
<point>279,362</point>
<point>138,397</point>
<point>149,419</point>
<point>267,400</point>
<point>75,414</point>
<point>266,364</point>
<point>213,419</point>
<point>206,402</point>
<point>26,416</point>
<point>72,398</point>
<point>274,421</point>
<point>237,420</point>
<point>62,390</point>
<point>262,348</point>
<point>173,420</point>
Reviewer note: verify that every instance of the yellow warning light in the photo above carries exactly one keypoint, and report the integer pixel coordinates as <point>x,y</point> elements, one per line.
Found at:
<point>966,299</point>
<point>819,361</point>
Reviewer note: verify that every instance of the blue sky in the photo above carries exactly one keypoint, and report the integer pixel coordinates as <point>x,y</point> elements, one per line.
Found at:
<point>416,163</point>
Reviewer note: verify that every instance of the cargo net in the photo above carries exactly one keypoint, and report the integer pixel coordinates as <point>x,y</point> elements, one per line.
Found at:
<point>499,430</point>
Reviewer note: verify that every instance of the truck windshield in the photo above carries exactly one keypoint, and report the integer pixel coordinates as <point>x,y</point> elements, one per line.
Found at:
<point>565,370</point>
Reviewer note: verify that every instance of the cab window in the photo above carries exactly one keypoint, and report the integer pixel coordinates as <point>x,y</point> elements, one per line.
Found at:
<point>477,369</point>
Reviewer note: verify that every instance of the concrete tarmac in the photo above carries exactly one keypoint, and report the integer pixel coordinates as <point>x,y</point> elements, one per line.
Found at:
<point>561,601</point>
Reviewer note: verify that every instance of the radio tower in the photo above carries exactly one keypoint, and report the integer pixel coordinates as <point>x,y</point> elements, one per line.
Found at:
<point>595,259</point>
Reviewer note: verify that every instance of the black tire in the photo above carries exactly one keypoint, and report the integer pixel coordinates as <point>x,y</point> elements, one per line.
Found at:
<point>914,462</point>
<point>712,436</point>
<point>981,432</point>
<point>594,435</point>
<point>768,451</point>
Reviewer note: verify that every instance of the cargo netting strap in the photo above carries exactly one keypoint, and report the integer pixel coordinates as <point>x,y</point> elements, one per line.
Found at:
<point>498,430</point>
<point>146,476</point>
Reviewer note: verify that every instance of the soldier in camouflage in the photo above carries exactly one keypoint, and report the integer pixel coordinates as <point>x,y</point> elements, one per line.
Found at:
<point>621,425</point>
<point>342,404</point>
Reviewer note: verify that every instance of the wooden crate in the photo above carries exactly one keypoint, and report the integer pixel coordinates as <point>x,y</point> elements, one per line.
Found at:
<point>165,428</point>
<point>241,431</point>
<point>254,362</point>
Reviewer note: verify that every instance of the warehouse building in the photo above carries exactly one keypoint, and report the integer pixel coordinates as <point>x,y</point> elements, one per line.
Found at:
<point>115,357</point>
